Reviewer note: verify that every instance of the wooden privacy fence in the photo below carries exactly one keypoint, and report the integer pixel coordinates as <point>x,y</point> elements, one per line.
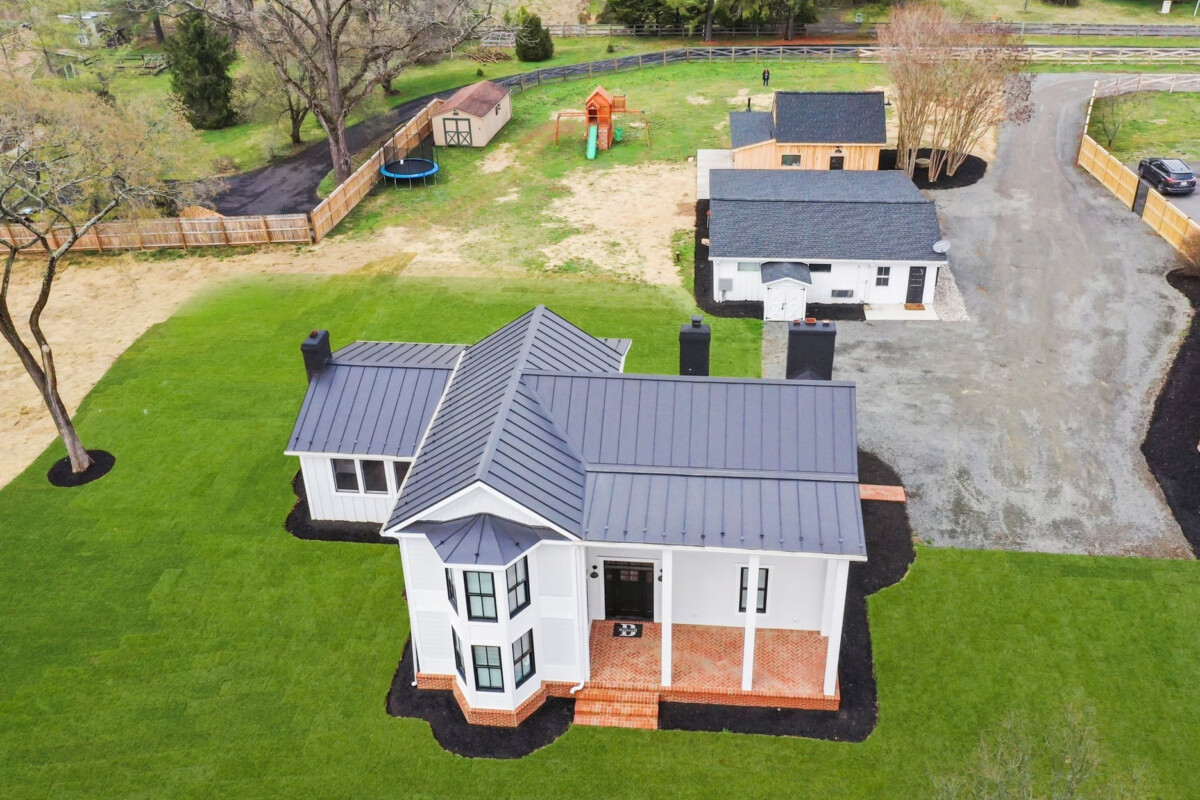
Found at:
<point>158,233</point>
<point>342,200</point>
<point>1166,219</point>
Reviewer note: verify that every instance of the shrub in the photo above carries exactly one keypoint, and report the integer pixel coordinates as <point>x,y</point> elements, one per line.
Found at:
<point>533,40</point>
<point>610,48</point>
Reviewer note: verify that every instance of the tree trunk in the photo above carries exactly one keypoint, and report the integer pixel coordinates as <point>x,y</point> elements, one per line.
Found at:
<point>789,30</point>
<point>297,113</point>
<point>159,36</point>
<point>80,460</point>
<point>708,21</point>
<point>339,149</point>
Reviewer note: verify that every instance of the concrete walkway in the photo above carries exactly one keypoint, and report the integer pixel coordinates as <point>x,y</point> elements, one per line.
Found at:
<point>1021,427</point>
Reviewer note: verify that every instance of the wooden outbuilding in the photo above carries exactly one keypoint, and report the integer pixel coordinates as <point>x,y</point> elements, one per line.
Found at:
<point>811,130</point>
<point>472,115</point>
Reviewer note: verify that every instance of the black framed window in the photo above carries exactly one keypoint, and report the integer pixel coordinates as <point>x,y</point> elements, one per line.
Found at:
<point>481,596</point>
<point>458,659</point>
<point>789,160</point>
<point>761,600</point>
<point>489,677</point>
<point>374,477</point>
<point>837,162</point>
<point>523,666</point>
<point>882,275</point>
<point>451,592</point>
<point>820,268</point>
<point>345,475</point>
<point>518,586</point>
<point>400,468</point>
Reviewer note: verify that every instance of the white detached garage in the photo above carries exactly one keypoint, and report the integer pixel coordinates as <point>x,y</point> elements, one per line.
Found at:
<point>790,239</point>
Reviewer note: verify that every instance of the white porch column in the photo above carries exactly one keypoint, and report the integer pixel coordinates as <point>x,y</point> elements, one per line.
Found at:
<point>751,622</point>
<point>837,610</point>
<point>584,629</point>
<point>668,590</point>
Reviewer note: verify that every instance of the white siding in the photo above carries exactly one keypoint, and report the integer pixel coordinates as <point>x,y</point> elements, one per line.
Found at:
<point>555,586</point>
<point>477,499</point>
<point>858,276</point>
<point>707,582</point>
<point>325,502</point>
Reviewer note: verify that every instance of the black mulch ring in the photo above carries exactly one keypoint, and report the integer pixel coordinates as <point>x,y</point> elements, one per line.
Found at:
<point>60,474</point>
<point>890,550</point>
<point>971,171</point>
<point>302,526</point>
<point>750,309</point>
<point>452,731</point>
<point>1170,445</point>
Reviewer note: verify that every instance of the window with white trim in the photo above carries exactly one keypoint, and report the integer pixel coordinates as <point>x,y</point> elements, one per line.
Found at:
<point>345,475</point>
<point>481,596</point>
<point>374,476</point>
<point>367,475</point>
<point>789,160</point>
<point>523,665</point>
<point>489,677</point>
<point>842,294</point>
<point>761,592</point>
<point>748,266</point>
<point>518,586</point>
<point>882,275</point>
<point>820,268</point>
<point>399,471</point>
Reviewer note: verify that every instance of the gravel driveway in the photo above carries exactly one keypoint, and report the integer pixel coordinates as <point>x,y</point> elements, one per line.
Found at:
<point>1021,428</point>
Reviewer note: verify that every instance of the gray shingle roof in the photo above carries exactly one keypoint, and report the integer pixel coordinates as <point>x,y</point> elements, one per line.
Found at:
<point>492,429</point>
<point>773,271</point>
<point>811,185</point>
<point>830,117</point>
<point>481,539</point>
<point>750,127</point>
<point>373,398</point>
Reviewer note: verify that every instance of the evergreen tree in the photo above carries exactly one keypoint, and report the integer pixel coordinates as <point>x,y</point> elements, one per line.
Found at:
<point>533,40</point>
<point>200,57</point>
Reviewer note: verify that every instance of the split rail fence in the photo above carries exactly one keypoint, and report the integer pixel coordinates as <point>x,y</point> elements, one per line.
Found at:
<point>871,29</point>
<point>1167,220</point>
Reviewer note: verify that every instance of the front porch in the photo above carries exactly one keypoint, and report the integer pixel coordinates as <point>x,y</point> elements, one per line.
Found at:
<point>788,668</point>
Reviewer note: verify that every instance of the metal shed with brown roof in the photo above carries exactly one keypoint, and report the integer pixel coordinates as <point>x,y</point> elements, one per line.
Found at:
<point>472,115</point>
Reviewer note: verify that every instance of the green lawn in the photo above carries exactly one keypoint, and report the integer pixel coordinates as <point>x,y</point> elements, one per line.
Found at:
<point>1088,12</point>
<point>162,636</point>
<point>1165,126</point>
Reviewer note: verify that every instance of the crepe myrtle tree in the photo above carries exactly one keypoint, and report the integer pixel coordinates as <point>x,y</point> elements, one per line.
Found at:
<point>68,161</point>
<point>344,48</point>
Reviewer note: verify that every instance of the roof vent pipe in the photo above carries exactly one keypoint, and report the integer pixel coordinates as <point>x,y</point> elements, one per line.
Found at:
<point>694,341</point>
<point>316,352</point>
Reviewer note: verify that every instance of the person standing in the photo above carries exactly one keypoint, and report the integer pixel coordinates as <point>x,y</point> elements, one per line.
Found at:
<point>766,77</point>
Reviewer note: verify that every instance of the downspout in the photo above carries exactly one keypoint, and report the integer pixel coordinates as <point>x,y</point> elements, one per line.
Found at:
<point>581,606</point>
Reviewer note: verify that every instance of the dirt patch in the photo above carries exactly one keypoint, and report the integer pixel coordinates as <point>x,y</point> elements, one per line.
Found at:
<point>758,102</point>
<point>698,100</point>
<point>508,198</point>
<point>131,295</point>
<point>498,160</point>
<point>625,217</point>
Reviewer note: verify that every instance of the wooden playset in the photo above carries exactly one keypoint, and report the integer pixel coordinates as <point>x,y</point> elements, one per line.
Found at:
<point>598,115</point>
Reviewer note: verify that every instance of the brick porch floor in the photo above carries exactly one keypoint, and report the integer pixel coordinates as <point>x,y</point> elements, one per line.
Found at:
<point>789,666</point>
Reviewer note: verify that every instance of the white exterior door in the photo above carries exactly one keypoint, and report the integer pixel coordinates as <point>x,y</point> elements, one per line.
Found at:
<point>784,301</point>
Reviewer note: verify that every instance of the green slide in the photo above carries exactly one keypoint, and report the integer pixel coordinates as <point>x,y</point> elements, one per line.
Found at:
<point>593,132</point>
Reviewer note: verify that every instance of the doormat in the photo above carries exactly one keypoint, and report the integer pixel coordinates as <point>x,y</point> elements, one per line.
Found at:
<point>627,630</point>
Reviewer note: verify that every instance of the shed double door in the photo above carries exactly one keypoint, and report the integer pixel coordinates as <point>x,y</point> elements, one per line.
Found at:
<point>784,301</point>
<point>457,130</point>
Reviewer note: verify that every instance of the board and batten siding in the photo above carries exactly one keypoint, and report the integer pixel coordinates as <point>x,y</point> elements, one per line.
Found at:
<point>326,502</point>
<point>483,129</point>
<point>858,276</point>
<point>556,586</point>
<point>769,155</point>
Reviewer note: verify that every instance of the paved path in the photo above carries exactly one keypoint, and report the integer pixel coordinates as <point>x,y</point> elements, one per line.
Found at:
<point>1021,428</point>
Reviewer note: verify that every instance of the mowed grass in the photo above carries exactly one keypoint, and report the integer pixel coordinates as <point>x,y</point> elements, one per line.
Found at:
<point>162,636</point>
<point>1088,12</point>
<point>1165,126</point>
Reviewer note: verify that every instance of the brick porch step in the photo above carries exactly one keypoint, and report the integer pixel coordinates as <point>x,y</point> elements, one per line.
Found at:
<point>614,708</point>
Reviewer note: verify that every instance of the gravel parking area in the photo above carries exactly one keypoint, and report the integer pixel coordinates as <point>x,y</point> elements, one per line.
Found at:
<point>1021,428</point>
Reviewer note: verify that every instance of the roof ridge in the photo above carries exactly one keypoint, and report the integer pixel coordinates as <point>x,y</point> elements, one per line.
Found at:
<point>510,391</point>
<point>687,378</point>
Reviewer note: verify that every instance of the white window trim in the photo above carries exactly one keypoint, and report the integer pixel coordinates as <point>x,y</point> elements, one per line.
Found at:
<point>389,475</point>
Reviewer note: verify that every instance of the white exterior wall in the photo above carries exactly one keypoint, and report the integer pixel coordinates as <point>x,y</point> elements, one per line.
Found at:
<point>483,129</point>
<point>856,275</point>
<point>479,499</point>
<point>706,590</point>
<point>326,502</point>
<point>596,556</point>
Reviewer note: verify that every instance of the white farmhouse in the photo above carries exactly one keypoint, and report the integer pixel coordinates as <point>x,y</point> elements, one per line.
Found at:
<point>789,238</point>
<point>567,529</point>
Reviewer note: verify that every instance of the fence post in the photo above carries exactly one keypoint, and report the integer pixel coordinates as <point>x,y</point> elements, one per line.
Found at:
<point>137,229</point>
<point>182,235</point>
<point>224,230</point>
<point>266,229</point>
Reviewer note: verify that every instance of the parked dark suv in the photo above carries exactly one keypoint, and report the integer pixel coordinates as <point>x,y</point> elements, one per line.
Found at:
<point>1168,175</point>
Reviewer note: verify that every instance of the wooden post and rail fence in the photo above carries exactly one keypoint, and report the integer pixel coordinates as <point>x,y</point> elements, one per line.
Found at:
<point>1168,221</point>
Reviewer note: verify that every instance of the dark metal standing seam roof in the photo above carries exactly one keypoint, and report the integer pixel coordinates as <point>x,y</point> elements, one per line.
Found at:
<point>373,398</point>
<point>481,539</point>
<point>750,127</point>
<point>491,428</point>
<point>830,118</point>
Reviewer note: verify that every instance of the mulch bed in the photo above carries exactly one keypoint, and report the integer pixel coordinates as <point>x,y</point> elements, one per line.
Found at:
<point>1170,445</point>
<point>750,309</point>
<point>302,526</point>
<point>971,171</point>
<point>452,731</point>
<point>890,551</point>
<point>61,475</point>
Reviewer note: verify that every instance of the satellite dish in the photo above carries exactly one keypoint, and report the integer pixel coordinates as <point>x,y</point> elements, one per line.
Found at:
<point>941,246</point>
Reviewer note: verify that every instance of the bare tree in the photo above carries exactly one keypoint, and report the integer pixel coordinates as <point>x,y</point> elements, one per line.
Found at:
<point>66,163</point>
<point>1111,112</point>
<point>263,89</point>
<point>347,47</point>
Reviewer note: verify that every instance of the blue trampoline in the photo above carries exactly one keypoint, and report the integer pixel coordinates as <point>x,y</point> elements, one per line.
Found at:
<point>410,169</point>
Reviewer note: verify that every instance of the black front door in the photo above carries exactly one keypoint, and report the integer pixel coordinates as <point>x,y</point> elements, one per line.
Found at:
<point>457,130</point>
<point>628,590</point>
<point>837,162</point>
<point>916,285</point>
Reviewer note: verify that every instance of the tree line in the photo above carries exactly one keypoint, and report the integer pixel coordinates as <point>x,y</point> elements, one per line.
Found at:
<point>787,14</point>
